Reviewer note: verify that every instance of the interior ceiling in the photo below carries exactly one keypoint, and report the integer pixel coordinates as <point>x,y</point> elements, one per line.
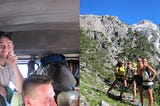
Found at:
<point>42,26</point>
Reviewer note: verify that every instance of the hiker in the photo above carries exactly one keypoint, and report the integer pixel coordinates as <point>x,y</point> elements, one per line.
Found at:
<point>9,71</point>
<point>130,73</point>
<point>120,75</point>
<point>138,78</point>
<point>148,75</point>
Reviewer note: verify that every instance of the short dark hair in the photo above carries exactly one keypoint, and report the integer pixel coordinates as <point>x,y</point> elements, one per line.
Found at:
<point>6,34</point>
<point>139,59</point>
<point>32,81</point>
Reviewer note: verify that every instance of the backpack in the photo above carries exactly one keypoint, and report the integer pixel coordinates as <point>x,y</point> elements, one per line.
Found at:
<point>151,75</point>
<point>131,72</point>
<point>52,58</point>
<point>55,67</point>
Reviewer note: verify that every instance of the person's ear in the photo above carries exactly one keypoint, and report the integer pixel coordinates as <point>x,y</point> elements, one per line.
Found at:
<point>27,101</point>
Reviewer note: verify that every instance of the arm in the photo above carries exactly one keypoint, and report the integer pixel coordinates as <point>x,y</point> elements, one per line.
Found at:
<point>126,74</point>
<point>12,58</point>
<point>136,71</point>
<point>154,73</point>
<point>116,71</point>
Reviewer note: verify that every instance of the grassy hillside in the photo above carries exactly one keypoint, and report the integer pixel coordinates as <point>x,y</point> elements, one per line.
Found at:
<point>95,77</point>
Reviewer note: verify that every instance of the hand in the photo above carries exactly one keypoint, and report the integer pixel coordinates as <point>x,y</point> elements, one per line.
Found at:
<point>12,58</point>
<point>3,91</point>
<point>146,65</point>
<point>150,79</point>
<point>125,83</point>
<point>115,73</point>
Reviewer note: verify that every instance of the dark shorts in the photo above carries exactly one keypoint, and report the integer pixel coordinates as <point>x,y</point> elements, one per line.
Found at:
<point>147,87</point>
<point>130,81</point>
<point>138,79</point>
<point>120,78</point>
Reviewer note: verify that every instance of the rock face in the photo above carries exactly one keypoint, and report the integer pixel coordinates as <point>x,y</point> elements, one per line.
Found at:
<point>109,32</point>
<point>106,30</point>
<point>105,24</point>
<point>150,30</point>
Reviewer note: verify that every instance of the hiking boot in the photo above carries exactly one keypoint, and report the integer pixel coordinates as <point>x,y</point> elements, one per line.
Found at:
<point>120,97</point>
<point>108,92</point>
<point>123,95</point>
<point>132,99</point>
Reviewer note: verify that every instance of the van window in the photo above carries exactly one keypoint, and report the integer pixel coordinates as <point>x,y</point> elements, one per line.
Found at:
<point>24,69</point>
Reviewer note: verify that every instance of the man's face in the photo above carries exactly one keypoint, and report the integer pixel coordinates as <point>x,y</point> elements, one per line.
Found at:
<point>6,46</point>
<point>43,95</point>
<point>139,61</point>
<point>129,64</point>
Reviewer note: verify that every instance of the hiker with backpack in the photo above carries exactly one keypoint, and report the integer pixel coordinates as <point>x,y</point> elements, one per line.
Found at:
<point>120,77</point>
<point>130,72</point>
<point>148,75</point>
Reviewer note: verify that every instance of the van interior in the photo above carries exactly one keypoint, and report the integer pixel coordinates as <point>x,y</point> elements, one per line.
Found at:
<point>41,27</point>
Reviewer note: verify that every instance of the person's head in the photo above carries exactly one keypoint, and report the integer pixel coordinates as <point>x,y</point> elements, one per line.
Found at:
<point>129,64</point>
<point>122,63</point>
<point>6,44</point>
<point>145,63</point>
<point>139,61</point>
<point>37,90</point>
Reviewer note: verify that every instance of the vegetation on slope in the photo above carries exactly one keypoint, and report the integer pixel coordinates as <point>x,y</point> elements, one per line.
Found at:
<point>95,77</point>
<point>137,45</point>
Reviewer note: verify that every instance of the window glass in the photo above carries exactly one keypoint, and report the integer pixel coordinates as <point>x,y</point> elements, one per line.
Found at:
<point>24,69</point>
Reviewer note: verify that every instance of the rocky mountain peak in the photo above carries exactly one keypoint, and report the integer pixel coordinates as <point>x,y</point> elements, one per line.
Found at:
<point>105,24</point>
<point>145,24</point>
<point>110,32</point>
<point>150,30</point>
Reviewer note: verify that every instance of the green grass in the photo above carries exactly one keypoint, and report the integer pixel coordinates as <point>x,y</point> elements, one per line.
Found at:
<point>96,92</point>
<point>94,96</point>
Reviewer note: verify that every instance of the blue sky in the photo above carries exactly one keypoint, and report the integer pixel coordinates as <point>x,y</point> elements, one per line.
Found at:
<point>128,11</point>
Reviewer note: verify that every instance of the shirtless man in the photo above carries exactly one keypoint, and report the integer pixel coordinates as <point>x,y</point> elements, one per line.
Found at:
<point>139,79</point>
